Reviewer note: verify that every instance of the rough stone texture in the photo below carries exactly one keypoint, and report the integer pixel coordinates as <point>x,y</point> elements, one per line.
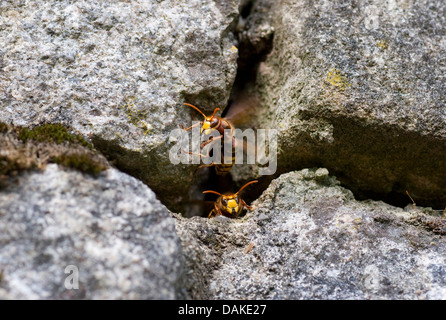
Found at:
<point>358,87</point>
<point>120,237</point>
<point>120,71</point>
<point>353,86</point>
<point>312,240</point>
<point>22,150</point>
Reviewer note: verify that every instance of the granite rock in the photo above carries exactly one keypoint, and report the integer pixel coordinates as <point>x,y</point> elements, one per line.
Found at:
<point>308,238</point>
<point>358,88</point>
<point>67,235</point>
<point>118,72</point>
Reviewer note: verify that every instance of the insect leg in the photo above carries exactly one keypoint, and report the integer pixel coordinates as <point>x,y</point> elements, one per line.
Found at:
<point>204,166</point>
<point>210,140</point>
<point>210,213</point>
<point>216,211</point>
<point>194,153</point>
<point>193,126</point>
<point>245,205</point>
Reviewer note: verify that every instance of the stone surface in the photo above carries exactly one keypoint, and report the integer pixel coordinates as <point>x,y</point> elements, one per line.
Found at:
<point>358,88</point>
<point>118,71</point>
<point>355,87</point>
<point>310,239</point>
<point>22,150</point>
<point>119,236</point>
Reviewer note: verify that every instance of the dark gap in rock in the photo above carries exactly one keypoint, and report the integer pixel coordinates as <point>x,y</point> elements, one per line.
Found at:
<point>401,161</point>
<point>250,56</point>
<point>256,190</point>
<point>251,53</point>
<point>376,171</point>
<point>393,198</point>
<point>140,166</point>
<point>245,9</point>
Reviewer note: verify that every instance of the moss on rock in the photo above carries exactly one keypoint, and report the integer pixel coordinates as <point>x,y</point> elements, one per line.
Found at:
<point>24,149</point>
<point>81,162</point>
<point>55,133</point>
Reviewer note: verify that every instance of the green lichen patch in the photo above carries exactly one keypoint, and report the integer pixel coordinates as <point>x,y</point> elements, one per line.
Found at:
<point>383,44</point>
<point>134,115</point>
<point>53,133</point>
<point>335,78</point>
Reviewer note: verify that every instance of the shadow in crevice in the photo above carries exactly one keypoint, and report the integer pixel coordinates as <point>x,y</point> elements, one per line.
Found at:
<point>250,55</point>
<point>249,59</point>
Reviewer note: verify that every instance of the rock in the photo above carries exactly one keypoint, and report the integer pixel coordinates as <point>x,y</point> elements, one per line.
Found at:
<point>119,73</point>
<point>357,88</point>
<point>308,238</point>
<point>22,149</point>
<point>111,231</point>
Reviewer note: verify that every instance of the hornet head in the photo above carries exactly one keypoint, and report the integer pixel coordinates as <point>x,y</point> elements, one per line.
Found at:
<point>210,122</point>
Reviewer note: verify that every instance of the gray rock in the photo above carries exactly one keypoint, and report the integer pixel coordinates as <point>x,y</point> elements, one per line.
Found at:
<point>308,238</point>
<point>119,71</point>
<point>358,88</point>
<point>112,229</point>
